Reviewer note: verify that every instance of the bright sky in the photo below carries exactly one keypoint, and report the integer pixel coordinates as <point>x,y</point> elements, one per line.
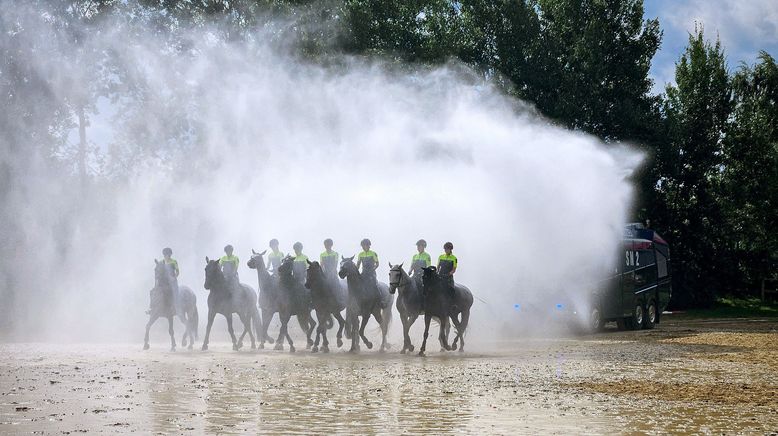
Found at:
<point>744,26</point>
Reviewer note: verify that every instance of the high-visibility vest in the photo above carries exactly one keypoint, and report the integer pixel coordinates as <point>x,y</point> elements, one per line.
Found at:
<point>446,263</point>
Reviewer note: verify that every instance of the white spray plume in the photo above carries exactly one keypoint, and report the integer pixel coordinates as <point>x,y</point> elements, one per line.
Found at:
<point>288,149</point>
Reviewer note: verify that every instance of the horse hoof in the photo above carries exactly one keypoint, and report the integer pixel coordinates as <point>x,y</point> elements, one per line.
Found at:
<point>173,349</point>
<point>325,349</point>
<point>369,345</point>
<point>315,349</point>
<point>262,346</point>
<point>354,350</point>
<point>382,350</point>
<point>403,351</point>
<point>183,343</point>
<point>410,348</point>
<point>240,345</point>
<point>146,346</point>
<point>279,347</point>
<point>461,349</point>
<point>340,343</point>
<point>291,349</point>
<point>204,348</point>
<point>269,340</point>
<point>310,342</point>
<point>190,347</point>
<point>421,353</point>
<point>235,347</point>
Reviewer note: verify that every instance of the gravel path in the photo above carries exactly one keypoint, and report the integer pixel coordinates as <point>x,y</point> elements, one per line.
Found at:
<point>716,376</point>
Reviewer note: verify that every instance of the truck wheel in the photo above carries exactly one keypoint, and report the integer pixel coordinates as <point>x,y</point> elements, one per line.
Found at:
<point>595,320</point>
<point>651,315</point>
<point>638,317</point>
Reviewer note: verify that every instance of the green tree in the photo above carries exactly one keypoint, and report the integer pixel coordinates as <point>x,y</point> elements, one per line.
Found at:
<point>750,199</point>
<point>697,112</point>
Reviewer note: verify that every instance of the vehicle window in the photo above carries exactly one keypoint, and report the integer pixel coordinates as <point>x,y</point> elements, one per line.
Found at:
<point>644,276</point>
<point>661,264</point>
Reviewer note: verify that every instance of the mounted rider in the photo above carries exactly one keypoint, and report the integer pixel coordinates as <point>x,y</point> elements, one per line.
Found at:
<point>275,256</point>
<point>447,266</point>
<point>300,264</point>
<point>229,263</point>
<point>420,260</point>
<point>368,260</point>
<point>329,260</point>
<point>167,259</point>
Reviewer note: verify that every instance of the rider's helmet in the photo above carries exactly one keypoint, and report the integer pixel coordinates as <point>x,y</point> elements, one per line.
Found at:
<point>273,243</point>
<point>328,242</point>
<point>422,243</point>
<point>448,246</point>
<point>167,251</point>
<point>297,246</point>
<point>228,249</point>
<point>365,242</point>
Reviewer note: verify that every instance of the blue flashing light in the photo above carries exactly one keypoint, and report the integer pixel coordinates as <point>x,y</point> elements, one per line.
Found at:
<point>517,307</point>
<point>559,306</point>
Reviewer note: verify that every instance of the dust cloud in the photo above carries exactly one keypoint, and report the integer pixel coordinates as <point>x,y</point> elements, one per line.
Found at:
<point>239,141</point>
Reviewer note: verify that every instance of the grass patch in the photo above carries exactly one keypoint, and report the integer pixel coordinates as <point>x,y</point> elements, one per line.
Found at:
<point>730,307</point>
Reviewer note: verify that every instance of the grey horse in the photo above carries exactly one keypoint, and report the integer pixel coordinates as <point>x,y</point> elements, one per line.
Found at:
<point>410,301</point>
<point>366,297</point>
<point>163,305</point>
<point>227,300</point>
<point>294,300</point>
<point>329,299</point>
<point>268,294</point>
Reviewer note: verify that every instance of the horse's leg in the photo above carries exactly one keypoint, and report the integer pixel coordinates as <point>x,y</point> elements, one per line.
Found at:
<point>443,334</point>
<point>211,316</point>
<point>341,327</point>
<point>307,324</point>
<point>353,326</point>
<point>362,325</point>
<point>427,319</point>
<point>267,316</point>
<point>285,329</point>
<point>172,334</point>
<point>185,321</point>
<point>280,341</point>
<point>378,315</point>
<point>232,332</point>
<point>245,330</point>
<point>465,318</point>
<point>315,348</point>
<point>406,340</point>
<point>252,322</point>
<point>152,320</point>
<point>325,347</point>
<point>411,320</point>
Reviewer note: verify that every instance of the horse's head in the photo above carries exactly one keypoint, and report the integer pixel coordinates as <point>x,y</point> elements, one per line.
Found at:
<point>163,273</point>
<point>347,267</point>
<point>313,273</point>
<point>257,261</point>
<point>430,276</point>
<point>213,273</point>
<point>285,269</point>
<point>396,275</point>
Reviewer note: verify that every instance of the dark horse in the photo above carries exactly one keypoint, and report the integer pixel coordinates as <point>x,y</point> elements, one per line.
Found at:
<point>441,303</point>
<point>366,297</point>
<point>410,301</point>
<point>226,301</point>
<point>268,294</point>
<point>295,300</point>
<point>329,299</point>
<point>163,305</point>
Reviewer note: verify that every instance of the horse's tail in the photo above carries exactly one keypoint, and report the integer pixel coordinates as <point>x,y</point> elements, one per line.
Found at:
<point>194,320</point>
<point>256,319</point>
<point>386,316</point>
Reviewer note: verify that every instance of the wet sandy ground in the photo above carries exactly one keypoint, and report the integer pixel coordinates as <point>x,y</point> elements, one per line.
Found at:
<point>686,376</point>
